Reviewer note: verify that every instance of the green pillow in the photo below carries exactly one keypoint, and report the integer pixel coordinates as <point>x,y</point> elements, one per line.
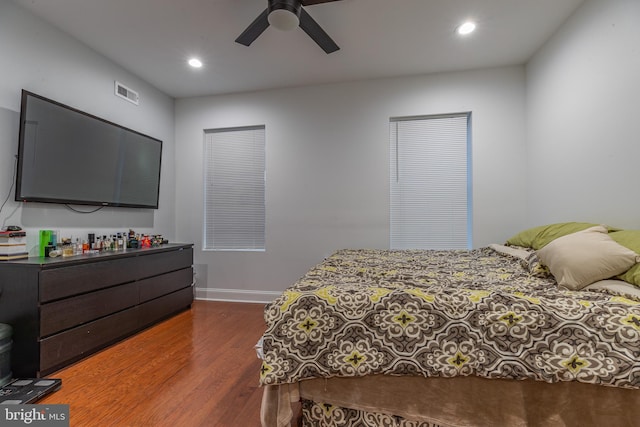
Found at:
<point>627,238</point>
<point>525,238</point>
<point>632,275</point>
<point>631,240</point>
<point>538,237</point>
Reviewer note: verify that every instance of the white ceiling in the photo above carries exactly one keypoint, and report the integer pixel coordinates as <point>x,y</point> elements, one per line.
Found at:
<point>378,38</point>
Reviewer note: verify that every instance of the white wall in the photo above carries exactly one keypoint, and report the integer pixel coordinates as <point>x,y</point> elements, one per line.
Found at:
<point>328,168</point>
<point>39,58</point>
<point>583,90</point>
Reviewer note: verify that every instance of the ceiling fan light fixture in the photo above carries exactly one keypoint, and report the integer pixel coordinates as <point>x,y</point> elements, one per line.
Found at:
<point>284,14</point>
<point>283,20</point>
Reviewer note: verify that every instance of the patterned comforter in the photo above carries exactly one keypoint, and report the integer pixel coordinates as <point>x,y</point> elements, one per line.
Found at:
<point>447,313</point>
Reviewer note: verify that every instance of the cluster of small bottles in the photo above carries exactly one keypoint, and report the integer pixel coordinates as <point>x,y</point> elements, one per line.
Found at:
<point>97,244</point>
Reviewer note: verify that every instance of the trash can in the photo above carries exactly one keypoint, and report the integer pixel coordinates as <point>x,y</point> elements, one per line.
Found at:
<point>5,353</point>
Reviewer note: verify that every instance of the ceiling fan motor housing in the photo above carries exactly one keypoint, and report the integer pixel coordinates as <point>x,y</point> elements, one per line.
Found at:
<point>292,6</point>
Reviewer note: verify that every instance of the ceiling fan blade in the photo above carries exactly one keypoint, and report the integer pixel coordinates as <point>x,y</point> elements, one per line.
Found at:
<point>311,27</point>
<point>312,2</point>
<point>254,30</point>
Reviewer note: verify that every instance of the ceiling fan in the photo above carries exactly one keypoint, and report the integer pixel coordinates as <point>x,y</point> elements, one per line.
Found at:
<point>287,15</point>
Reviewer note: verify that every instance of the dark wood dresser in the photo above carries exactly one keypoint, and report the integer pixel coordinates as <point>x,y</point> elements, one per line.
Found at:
<point>64,309</point>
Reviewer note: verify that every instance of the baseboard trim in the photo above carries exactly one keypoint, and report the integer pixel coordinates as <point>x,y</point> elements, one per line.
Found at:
<point>235,295</point>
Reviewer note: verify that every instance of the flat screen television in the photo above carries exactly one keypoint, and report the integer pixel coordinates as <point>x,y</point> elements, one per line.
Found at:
<point>68,156</point>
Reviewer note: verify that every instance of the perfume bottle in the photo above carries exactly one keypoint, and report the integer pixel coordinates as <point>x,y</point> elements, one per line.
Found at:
<point>146,242</point>
<point>67,247</point>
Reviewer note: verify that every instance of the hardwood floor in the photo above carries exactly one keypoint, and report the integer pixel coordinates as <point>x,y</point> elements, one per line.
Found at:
<point>198,368</point>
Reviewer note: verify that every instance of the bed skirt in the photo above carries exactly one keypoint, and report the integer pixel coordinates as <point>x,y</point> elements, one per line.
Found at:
<point>449,402</point>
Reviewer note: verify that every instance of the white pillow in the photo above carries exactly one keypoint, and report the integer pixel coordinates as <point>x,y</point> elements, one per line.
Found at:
<point>519,253</point>
<point>618,286</point>
<point>579,259</point>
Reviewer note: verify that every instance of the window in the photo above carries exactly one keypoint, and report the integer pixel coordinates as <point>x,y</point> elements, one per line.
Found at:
<point>430,182</point>
<point>234,175</point>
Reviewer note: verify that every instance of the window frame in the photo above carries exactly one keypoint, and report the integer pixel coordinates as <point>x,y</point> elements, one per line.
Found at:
<point>395,239</point>
<point>209,242</point>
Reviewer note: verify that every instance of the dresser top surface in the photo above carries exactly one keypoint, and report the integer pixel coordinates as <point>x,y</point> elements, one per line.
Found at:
<point>103,256</point>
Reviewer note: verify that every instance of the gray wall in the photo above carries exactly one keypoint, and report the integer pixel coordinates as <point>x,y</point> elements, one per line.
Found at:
<point>583,89</point>
<point>39,58</point>
<point>328,168</point>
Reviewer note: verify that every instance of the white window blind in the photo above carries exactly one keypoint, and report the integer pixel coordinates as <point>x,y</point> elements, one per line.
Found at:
<point>235,189</point>
<point>430,182</point>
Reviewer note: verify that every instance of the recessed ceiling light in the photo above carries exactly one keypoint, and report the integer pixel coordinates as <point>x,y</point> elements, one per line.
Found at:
<point>195,63</point>
<point>466,28</point>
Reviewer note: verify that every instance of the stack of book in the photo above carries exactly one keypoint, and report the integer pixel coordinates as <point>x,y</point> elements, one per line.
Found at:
<point>13,245</point>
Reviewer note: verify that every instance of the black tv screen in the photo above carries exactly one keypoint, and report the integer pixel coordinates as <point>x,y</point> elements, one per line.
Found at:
<point>71,157</point>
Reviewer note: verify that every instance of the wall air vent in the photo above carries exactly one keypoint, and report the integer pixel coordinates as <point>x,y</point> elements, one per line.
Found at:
<point>124,92</point>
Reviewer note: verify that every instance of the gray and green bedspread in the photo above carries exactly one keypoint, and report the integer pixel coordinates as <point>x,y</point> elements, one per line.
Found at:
<point>447,313</point>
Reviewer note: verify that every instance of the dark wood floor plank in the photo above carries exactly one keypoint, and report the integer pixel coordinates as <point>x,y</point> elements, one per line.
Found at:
<point>198,368</point>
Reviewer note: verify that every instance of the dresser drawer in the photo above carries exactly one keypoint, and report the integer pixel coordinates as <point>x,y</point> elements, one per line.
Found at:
<point>66,347</point>
<point>64,314</point>
<point>154,287</point>
<point>79,279</point>
<point>163,307</point>
<point>164,262</point>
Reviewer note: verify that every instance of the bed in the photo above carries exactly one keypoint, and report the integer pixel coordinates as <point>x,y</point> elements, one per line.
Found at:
<point>495,336</point>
